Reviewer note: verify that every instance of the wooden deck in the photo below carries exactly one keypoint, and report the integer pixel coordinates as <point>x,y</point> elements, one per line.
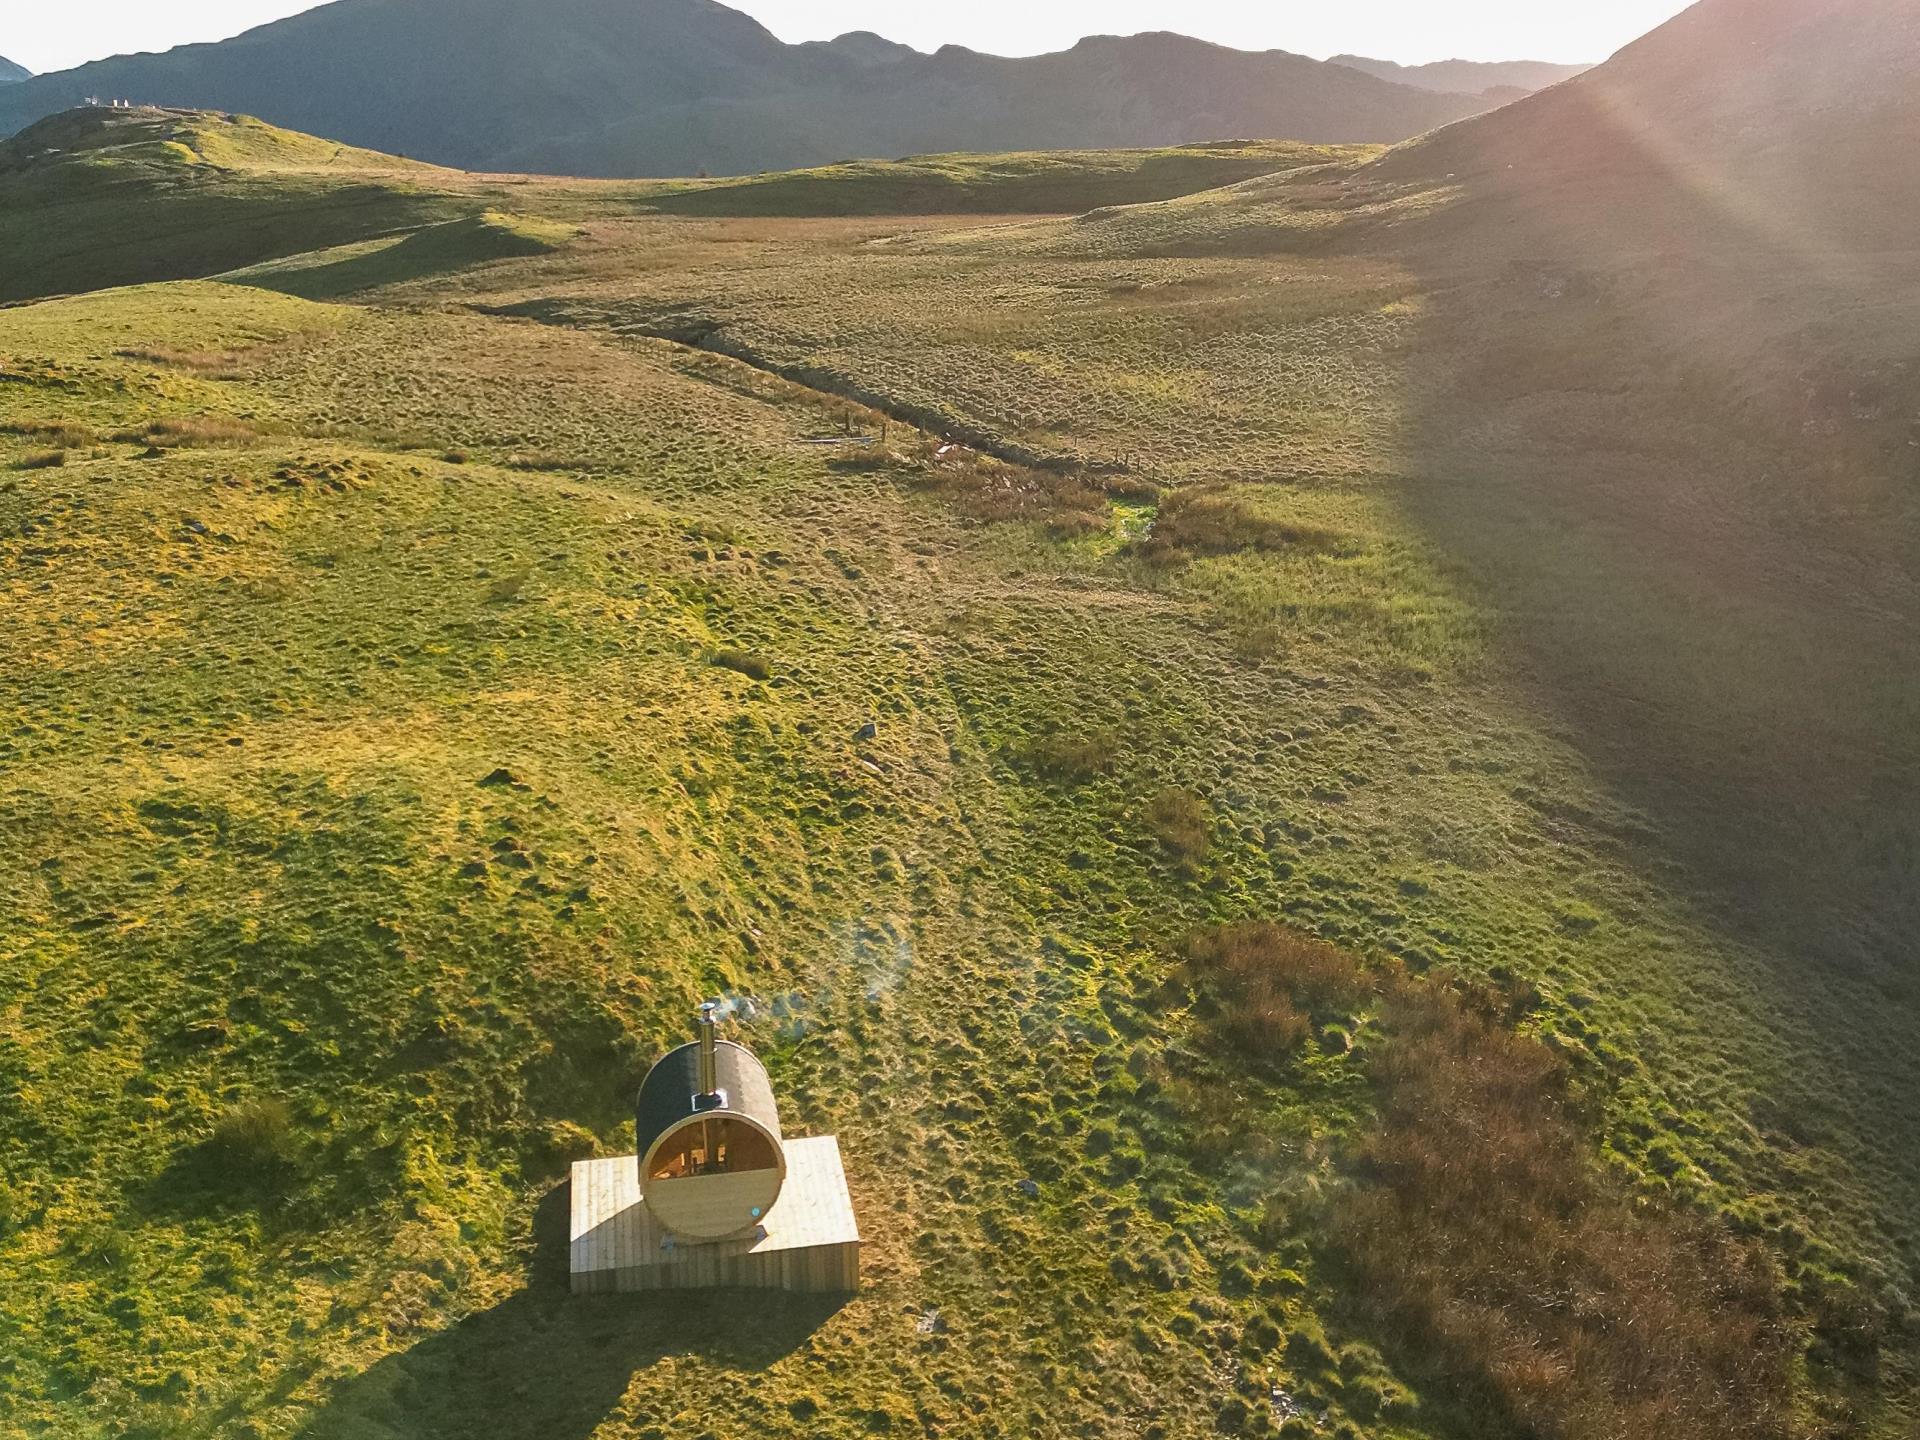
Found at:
<point>809,1243</point>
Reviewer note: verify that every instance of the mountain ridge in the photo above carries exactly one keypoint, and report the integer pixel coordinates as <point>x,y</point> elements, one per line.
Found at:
<point>12,74</point>
<point>1465,77</point>
<point>1759,109</point>
<point>665,87</point>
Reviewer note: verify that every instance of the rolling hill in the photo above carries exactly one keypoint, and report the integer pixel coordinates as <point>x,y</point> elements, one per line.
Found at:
<point>215,192</point>
<point>1466,77</point>
<point>98,197</point>
<point>676,87</point>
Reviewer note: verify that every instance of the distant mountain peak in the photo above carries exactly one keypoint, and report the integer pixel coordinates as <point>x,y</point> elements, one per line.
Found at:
<point>1467,77</point>
<point>11,73</point>
<point>864,47</point>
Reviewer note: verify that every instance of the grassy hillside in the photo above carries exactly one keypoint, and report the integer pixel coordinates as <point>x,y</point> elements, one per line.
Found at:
<point>1317,779</point>
<point>683,87</point>
<point>93,198</point>
<point>218,193</point>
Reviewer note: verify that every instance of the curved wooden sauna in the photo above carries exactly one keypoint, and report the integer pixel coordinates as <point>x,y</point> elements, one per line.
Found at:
<point>712,1162</point>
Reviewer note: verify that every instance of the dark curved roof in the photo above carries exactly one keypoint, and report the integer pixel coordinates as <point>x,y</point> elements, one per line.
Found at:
<point>666,1095</point>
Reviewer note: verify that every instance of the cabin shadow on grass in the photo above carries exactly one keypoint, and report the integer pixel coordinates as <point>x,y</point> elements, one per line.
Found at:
<point>551,1365</point>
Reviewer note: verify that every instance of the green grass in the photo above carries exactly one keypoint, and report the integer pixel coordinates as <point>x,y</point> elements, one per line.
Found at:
<point>1043,182</point>
<point>414,706</point>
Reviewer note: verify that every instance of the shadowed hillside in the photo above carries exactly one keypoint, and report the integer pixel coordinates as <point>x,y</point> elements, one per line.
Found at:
<point>1707,236</point>
<point>1779,120</point>
<point>676,87</point>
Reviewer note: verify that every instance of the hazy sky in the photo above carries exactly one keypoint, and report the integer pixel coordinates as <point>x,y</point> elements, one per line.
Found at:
<point>45,36</point>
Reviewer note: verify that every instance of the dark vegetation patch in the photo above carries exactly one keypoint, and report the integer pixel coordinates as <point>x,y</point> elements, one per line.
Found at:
<point>1072,755</point>
<point>193,432</point>
<point>1216,520</point>
<point>743,662</point>
<point>985,488</point>
<point>56,434</point>
<point>215,364</point>
<point>1181,822</point>
<point>254,1139</point>
<point>1479,1238</point>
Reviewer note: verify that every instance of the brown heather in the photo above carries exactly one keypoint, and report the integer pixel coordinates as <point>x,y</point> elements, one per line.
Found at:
<point>1540,1291</point>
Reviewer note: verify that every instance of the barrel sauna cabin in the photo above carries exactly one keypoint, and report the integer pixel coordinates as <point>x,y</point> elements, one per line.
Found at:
<point>696,1208</point>
<point>712,1162</point>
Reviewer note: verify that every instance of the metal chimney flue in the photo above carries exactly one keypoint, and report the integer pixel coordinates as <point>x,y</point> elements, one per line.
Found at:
<point>709,1081</point>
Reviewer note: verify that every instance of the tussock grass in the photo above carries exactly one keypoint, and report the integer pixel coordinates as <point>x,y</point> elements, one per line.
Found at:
<point>996,491</point>
<point>57,434</point>
<point>220,364</point>
<point>742,662</point>
<point>1180,821</point>
<point>255,1138</point>
<point>195,432</point>
<point>1213,520</point>
<point>1074,755</point>
<point>507,587</point>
